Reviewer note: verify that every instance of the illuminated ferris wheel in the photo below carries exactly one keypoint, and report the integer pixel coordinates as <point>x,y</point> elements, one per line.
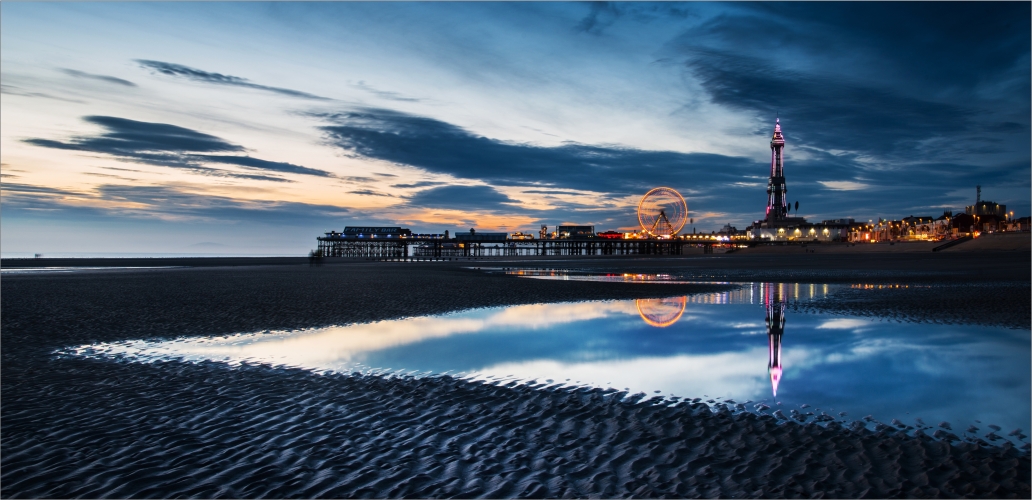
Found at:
<point>662,212</point>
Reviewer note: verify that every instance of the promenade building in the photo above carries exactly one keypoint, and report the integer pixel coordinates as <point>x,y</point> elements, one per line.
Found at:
<point>984,208</point>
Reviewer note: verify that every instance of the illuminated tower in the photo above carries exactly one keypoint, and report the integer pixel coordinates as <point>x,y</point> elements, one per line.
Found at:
<point>777,206</point>
<point>775,328</point>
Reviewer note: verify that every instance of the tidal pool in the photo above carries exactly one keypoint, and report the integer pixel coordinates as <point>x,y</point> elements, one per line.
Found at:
<point>743,347</point>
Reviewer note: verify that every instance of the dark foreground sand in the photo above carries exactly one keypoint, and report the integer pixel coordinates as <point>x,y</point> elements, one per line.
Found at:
<point>88,428</point>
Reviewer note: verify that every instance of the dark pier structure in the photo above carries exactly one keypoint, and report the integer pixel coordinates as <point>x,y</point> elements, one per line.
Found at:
<point>390,243</point>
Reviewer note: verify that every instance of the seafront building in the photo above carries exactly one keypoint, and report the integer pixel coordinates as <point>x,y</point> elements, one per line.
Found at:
<point>985,208</point>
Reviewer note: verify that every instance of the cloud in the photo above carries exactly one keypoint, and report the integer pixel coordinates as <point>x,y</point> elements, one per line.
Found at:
<point>171,146</point>
<point>600,17</point>
<point>844,185</point>
<point>368,192</point>
<point>16,188</point>
<point>384,94</point>
<point>843,324</point>
<point>127,137</point>
<point>895,82</point>
<point>159,202</point>
<point>471,198</point>
<point>18,91</point>
<point>275,166</point>
<point>552,191</point>
<point>607,175</point>
<point>828,112</point>
<point>193,74</point>
<point>442,148</point>
<point>357,179</point>
<point>420,184</point>
<point>102,78</point>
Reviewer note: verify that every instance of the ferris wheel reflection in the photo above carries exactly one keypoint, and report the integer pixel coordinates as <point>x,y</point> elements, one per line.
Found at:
<point>661,313</point>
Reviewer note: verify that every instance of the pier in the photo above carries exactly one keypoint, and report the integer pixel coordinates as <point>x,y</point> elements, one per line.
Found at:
<point>434,247</point>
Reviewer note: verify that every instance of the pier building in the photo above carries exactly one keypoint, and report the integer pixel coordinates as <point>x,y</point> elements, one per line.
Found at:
<point>575,232</point>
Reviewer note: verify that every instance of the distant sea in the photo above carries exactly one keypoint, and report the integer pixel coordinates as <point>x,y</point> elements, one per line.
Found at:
<point>131,255</point>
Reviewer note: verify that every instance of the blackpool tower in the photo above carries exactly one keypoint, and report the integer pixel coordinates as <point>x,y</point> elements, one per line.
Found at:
<point>777,206</point>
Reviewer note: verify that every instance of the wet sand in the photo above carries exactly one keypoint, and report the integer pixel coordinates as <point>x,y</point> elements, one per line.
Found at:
<point>80,427</point>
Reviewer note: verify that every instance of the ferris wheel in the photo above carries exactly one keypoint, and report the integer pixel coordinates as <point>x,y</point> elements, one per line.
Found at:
<point>662,212</point>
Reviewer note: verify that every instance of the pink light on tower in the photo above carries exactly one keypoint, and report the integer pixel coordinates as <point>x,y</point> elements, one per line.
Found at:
<point>775,377</point>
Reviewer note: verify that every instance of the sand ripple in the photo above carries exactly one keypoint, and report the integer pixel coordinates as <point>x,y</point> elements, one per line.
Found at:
<point>174,429</point>
<point>101,428</point>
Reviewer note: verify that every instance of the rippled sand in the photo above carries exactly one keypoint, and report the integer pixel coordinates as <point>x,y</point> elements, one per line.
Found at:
<point>91,428</point>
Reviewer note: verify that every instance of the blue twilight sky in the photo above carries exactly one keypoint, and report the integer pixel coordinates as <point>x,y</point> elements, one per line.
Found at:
<point>246,127</point>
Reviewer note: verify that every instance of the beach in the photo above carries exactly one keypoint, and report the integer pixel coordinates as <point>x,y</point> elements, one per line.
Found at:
<point>77,427</point>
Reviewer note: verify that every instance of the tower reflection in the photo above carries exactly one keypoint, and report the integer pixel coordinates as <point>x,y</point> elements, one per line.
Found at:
<point>774,299</point>
<point>661,313</point>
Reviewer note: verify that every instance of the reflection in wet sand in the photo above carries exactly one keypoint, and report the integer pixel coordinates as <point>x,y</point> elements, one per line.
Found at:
<point>664,312</point>
<point>684,345</point>
<point>661,313</point>
<point>775,328</point>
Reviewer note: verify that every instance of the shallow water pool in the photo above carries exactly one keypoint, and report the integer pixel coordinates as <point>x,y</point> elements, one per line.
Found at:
<point>745,347</point>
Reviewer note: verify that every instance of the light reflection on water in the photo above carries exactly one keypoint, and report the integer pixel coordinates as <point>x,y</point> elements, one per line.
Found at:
<point>743,345</point>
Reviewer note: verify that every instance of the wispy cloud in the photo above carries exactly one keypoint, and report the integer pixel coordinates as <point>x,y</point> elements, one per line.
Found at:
<point>160,202</point>
<point>197,75</point>
<point>168,145</point>
<point>416,185</point>
<point>844,185</point>
<point>472,198</point>
<point>384,94</point>
<point>101,78</point>
<point>601,15</point>
<point>368,192</point>
<point>18,91</point>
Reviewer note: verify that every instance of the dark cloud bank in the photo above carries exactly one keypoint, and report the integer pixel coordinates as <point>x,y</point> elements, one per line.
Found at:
<point>905,82</point>
<point>172,146</point>
<point>441,147</point>
<point>911,100</point>
<point>708,180</point>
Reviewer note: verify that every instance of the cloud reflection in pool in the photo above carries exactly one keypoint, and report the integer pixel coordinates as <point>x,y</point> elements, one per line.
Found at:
<point>714,345</point>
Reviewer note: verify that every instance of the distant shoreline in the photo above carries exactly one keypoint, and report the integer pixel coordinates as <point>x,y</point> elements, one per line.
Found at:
<point>1005,242</point>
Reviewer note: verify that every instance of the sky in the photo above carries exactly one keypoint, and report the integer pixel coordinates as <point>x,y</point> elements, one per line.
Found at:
<point>253,127</point>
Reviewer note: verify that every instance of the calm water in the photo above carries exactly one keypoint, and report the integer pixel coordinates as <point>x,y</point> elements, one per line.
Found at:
<point>745,345</point>
<point>36,270</point>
